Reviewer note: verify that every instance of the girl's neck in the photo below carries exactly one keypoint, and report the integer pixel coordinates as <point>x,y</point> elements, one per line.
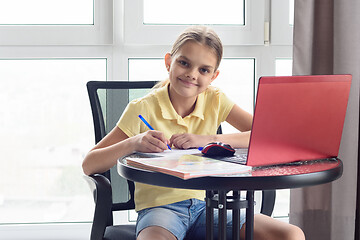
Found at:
<point>182,105</point>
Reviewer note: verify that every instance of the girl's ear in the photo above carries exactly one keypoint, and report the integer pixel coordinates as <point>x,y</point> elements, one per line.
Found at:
<point>216,73</point>
<point>168,61</point>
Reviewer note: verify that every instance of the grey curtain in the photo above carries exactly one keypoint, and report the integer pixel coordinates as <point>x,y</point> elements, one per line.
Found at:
<point>327,41</point>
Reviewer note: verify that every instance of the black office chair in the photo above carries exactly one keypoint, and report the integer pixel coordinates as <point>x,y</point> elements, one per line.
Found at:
<point>108,188</point>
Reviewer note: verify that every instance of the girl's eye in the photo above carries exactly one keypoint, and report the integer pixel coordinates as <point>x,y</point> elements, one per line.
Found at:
<point>183,63</point>
<point>204,70</point>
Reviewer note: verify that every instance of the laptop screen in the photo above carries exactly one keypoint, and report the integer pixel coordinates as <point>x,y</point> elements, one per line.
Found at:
<point>298,118</point>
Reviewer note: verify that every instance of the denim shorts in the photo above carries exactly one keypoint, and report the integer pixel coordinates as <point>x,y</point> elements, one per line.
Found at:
<point>185,219</point>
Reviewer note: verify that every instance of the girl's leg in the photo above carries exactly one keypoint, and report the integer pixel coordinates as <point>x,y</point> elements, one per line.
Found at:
<point>267,228</point>
<point>168,222</point>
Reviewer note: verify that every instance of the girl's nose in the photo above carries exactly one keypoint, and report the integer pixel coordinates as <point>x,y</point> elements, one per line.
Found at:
<point>191,74</point>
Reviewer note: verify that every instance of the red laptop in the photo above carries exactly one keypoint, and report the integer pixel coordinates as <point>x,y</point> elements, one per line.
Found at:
<point>298,118</point>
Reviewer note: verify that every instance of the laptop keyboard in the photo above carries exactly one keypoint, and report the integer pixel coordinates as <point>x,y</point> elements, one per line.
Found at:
<point>239,157</point>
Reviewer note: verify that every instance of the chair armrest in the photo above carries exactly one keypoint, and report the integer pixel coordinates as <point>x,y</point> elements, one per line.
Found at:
<point>102,193</point>
<point>130,204</point>
<point>268,202</point>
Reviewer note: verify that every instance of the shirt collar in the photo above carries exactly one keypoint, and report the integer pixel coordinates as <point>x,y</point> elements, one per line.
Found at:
<point>167,109</point>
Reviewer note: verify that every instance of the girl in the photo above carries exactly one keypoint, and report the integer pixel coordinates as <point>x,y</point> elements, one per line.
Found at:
<point>187,112</point>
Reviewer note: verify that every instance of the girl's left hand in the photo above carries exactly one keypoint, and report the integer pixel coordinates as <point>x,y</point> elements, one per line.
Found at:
<point>188,140</point>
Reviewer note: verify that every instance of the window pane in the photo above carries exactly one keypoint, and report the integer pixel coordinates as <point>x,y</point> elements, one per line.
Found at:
<point>33,12</point>
<point>147,69</point>
<point>236,80</point>
<point>282,204</point>
<point>283,67</point>
<point>47,129</point>
<point>194,12</point>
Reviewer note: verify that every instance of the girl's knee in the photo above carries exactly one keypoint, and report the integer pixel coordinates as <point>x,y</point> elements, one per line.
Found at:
<point>269,228</point>
<point>156,233</point>
<point>294,233</point>
<point>291,232</point>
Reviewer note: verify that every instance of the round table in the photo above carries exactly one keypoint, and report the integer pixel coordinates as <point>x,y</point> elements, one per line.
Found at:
<point>284,176</point>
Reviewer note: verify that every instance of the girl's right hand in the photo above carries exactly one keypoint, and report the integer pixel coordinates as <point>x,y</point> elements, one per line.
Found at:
<point>150,141</point>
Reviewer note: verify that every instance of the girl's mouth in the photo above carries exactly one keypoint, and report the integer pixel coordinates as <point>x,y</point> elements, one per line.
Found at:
<point>187,83</point>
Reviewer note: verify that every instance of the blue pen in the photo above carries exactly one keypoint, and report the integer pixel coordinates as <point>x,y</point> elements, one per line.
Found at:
<point>149,126</point>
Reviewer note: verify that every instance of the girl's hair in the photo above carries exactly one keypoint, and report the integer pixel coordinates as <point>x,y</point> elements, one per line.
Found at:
<point>202,35</point>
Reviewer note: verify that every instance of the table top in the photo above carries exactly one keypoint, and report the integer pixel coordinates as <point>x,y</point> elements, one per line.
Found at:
<point>292,175</point>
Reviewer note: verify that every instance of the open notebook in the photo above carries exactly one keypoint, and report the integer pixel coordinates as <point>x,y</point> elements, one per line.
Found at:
<point>184,164</point>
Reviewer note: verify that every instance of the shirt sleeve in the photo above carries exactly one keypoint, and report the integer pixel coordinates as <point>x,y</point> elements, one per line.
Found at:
<point>129,121</point>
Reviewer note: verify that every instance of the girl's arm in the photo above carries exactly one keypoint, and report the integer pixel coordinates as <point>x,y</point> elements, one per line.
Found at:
<point>117,144</point>
<point>242,121</point>
<point>237,117</point>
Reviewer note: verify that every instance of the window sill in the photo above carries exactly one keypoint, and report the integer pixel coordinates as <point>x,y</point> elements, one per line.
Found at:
<point>46,231</point>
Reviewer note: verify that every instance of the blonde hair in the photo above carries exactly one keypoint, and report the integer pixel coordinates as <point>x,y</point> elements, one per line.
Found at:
<point>202,35</point>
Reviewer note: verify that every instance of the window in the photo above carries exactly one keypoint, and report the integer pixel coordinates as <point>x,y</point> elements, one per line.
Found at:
<point>116,40</point>
<point>46,12</point>
<point>47,127</point>
<point>200,12</point>
<point>137,12</point>
<point>240,89</point>
<point>271,60</point>
<point>38,60</point>
<point>152,69</point>
<point>283,67</point>
<point>77,26</point>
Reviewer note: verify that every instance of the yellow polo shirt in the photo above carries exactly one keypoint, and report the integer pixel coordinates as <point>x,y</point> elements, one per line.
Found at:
<point>212,108</point>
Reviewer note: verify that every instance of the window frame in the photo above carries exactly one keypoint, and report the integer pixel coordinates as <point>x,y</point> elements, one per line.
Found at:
<point>137,33</point>
<point>64,231</point>
<point>99,33</point>
<point>281,30</point>
<point>110,42</point>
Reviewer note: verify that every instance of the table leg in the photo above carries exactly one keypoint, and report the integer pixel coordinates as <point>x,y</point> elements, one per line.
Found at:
<point>236,217</point>
<point>222,215</point>
<point>209,215</point>
<point>249,231</point>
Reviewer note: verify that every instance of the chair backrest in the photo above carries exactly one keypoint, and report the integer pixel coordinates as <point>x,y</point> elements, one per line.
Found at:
<point>108,100</point>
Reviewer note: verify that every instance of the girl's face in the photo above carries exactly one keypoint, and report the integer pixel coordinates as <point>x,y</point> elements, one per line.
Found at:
<point>191,70</point>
